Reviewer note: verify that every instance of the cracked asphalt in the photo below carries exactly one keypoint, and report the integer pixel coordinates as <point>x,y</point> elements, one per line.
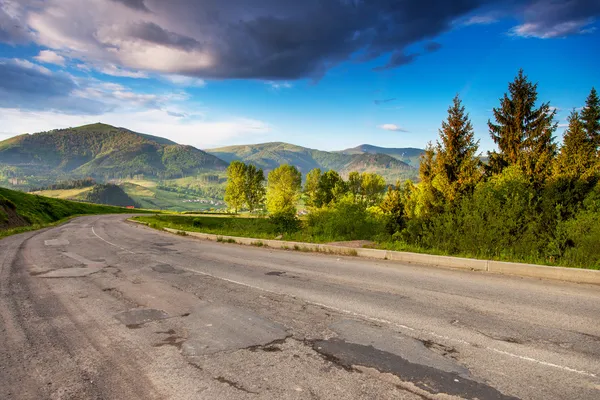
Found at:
<point>100,308</point>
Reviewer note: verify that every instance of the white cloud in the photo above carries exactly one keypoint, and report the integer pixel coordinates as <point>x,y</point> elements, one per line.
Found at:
<point>113,70</point>
<point>28,64</point>
<point>537,30</point>
<point>392,127</point>
<point>480,20</point>
<point>201,133</point>
<point>185,80</point>
<point>279,85</point>
<point>50,57</point>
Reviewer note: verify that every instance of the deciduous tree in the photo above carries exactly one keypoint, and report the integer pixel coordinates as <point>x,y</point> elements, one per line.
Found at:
<point>235,191</point>
<point>283,190</point>
<point>254,188</point>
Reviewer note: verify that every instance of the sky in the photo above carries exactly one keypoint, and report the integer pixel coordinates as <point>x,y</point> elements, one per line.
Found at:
<point>326,74</point>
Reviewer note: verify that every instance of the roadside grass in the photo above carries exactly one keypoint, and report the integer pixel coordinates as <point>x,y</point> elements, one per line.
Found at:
<point>40,212</point>
<point>262,228</point>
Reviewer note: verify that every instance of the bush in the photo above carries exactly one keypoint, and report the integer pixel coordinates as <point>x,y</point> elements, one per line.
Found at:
<point>197,223</point>
<point>345,220</point>
<point>285,222</point>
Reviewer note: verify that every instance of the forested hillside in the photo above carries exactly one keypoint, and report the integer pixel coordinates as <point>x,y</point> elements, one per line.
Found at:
<point>104,152</point>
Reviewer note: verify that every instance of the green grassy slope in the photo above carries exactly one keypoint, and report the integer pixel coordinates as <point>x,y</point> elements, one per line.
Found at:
<point>270,155</point>
<point>103,151</point>
<point>21,211</point>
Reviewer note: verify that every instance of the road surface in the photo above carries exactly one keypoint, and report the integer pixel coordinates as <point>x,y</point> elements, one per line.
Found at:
<point>101,308</point>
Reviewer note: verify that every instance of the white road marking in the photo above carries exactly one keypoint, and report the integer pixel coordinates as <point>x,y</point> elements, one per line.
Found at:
<point>380,320</point>
<point>112,244</point>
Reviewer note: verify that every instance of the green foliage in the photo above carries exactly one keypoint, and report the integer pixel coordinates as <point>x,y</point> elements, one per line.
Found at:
<point>457,167</point>
<point>254,188</point>
<point>283,190</point>
<point>235,192</point>
<point>245,187</point>
<point>345,220</point>
<point>109,194</point>
<point>522,132</point>
<point>577,157</point>
<point>285,223</point>
<point>590,117</point>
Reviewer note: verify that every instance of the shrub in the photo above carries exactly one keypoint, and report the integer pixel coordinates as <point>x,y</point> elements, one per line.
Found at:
<point>285,222</point>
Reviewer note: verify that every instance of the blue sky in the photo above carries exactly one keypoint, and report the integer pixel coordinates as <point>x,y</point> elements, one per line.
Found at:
<point>327,74</point>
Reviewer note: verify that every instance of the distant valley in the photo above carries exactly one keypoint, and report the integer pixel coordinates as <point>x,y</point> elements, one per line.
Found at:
<point>154,172</point>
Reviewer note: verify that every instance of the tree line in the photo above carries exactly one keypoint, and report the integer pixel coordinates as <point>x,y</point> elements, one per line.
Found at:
<point>528,200</point>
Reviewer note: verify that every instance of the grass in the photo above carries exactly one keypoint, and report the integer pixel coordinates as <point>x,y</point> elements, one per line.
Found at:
<point>41,211</point>
<point>258,228</point>
<point>262,228</point>
<point>65,194</point>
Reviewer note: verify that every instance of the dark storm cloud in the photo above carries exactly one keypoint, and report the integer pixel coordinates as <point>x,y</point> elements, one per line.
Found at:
<point>30,87</point>
<point>135,4</point>
<point>152,33</point>
<point>272,39</point>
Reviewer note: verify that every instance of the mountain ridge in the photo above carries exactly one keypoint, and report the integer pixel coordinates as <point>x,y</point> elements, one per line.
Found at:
<point>271,154</point>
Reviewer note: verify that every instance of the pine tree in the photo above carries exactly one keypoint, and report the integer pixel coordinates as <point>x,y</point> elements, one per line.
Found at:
<point>522,132</point>
<point>577,155</point>
<point>456,163</point>
<point>590,117</point>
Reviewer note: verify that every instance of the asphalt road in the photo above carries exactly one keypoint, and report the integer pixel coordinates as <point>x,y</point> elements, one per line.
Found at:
<point>101,308</point>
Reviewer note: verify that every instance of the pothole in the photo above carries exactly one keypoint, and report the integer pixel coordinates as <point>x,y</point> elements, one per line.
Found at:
<point>136,318</point>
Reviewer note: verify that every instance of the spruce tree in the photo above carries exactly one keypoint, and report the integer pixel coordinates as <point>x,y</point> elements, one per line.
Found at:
<point>577,155</point>
<point>457,164</point>
<point>523,132</point>
<point>590,117</point>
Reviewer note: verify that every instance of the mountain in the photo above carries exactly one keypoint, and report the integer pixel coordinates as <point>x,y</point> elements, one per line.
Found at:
<point>270,155</point>
<point>103,151</point>
<point>409,155</point>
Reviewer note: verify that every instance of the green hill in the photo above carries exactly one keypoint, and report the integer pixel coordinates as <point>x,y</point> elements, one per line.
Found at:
<point>270,155</point>
<point>104,152</point>
<point>22,211</point>
<point>409,155</point>
<point>109,194</point>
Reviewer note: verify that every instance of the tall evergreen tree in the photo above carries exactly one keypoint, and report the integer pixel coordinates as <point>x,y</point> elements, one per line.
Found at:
<point>590,117</point>
<point>457,164</point>
<point>577,155</point>
<point>522,132</point>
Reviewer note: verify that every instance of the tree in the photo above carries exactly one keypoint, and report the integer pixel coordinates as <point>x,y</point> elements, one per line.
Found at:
<point>311,187</point>
<point>283,190</point>
<point>577,155</point>
<point>235,192</point>
<point>456,162</point>
<point>590,117</point>
<point>522,132</point>
<point>372,188</point>
<point>323,188</point>
<point>354,185</point>
<point>254,188</point>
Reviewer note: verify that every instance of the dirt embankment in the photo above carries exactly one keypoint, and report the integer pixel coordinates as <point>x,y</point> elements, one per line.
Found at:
<point>9,217</point>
